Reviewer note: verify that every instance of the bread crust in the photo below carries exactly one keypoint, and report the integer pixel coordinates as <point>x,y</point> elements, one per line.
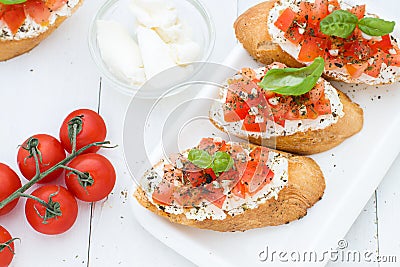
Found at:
<point>251,29</point>
<point>12,48</point>
<point>306,185</point>
<point>315,141</point>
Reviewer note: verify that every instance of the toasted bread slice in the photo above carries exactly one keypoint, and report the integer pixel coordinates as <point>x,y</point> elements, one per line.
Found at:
<point>12,48</point>
<point>305,186</point>
<point>313,141</point>
<point>252,30</point>
<point>287,123</point>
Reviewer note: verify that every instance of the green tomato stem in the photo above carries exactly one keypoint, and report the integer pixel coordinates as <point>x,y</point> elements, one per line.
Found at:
<point>7,244</point>
<point>39,176</point>
<point>74,138</point>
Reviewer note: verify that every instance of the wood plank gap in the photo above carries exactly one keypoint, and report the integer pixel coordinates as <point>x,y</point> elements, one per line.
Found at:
<point>92,204</point>
<point>377,223</point>
<point>90,233</point>
<point>99,96</point>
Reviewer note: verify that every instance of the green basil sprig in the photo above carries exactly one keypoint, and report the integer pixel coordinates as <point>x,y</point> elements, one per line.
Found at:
<point>293,81</point>
<point>375,26</point>
<point>341,23</point>
<point>12,2</point>
<point>219,162</point>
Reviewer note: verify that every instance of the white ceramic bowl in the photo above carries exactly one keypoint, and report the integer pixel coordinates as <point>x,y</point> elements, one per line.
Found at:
<point>191,11</point>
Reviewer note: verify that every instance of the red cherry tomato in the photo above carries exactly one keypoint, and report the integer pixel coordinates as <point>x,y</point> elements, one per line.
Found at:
<point>6,247</point>
<point>101,172</point>
<point>41,220</point>
<point>51,153</point>
<point>9,182</point>
<point>93,129</point>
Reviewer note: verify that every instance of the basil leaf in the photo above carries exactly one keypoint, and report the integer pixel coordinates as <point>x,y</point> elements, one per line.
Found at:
<point>339,23</point>
<point>12,2</point>
<point>293,81</point>
<point>375,26</point>
<point>200,158</point>
<point>222,162</point>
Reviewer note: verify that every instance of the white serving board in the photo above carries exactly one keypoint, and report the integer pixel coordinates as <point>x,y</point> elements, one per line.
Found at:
<point>352,171</point>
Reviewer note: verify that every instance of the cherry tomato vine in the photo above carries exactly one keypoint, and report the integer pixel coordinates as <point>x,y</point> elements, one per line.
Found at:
<point>89,177</point>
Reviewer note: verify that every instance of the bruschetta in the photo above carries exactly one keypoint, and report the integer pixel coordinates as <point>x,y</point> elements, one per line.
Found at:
<point>23,26</point>
<point>302,124</point>
<point>251,187</point>
<point>357,46</point>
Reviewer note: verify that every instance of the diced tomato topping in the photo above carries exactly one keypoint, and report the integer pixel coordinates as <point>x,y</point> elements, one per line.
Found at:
<point>164,193</point>
<point>311,112</point>
<point>384,45</point>
<point>323,107</point>
<point>357,51</point>
<point>208,144</point>
<point>316,93</point>
<point>3,8</point>
<point>279,114</point>
<point>334,63</point>
<point>393,60</point>
<point>250,124</point>
<point>305,15</point>
<point>335,4</point>
<point>235,108</point>
<point>14,17</point>
<point>188,196</point>
<point>210,175</point>
<point>195,178</point>
<point>353,52</point>
<point>214,195</point>
<point>38,11</point>
<point>285,19</point>
<point>293,35</point>
<point>311,48</point>
<point>55,4</point>
<point>357,69</point>
<point>256,176</point>
<point>260,154</point>
<point>320,10</point>
<point>358,10</point>
<point>239,190</point>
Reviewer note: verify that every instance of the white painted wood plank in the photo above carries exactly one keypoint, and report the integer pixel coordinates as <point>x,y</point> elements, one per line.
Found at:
<point>117,238</point>
<point>223,13</point>
<point>243,5</point>
<point>37,91</point>
<point>361,237</point>
<point>388,196</point>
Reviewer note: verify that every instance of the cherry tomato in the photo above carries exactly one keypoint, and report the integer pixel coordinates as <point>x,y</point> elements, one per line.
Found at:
<point>101,172</point>
<point>43,221</point>
<point>93,129</point>
<point>51,153</point>
<point>9,182</point>
<point>6,247</point>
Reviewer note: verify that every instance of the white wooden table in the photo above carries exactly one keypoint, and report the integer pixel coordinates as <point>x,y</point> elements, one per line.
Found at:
<point>39,89</point>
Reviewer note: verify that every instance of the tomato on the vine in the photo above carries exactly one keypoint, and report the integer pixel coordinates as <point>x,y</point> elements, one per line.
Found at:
<point>6,247</point>
<point>95,180</point>
<point>59,215</point>
<point>9,182</point>
<point>49,152</point>
<point>90,128</point>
